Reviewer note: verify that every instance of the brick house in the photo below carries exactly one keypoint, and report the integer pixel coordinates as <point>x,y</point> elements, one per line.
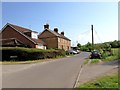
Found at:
<point>13,35</point>
<point>53,39</point>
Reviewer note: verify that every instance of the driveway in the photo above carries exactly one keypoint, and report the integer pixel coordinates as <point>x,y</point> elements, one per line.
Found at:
<point>61,73</point>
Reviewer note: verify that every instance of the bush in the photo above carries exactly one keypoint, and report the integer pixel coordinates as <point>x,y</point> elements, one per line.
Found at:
<point>119,53</point>
<point>105,54</point>
<point>29,53</point>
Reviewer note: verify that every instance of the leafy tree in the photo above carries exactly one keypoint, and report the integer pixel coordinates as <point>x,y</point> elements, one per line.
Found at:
<point>88,44</point>
<point>118,44</point>
<point>79,45</point>
<point>86,47</point>
<point>106,46</point>
<point>115,44</point>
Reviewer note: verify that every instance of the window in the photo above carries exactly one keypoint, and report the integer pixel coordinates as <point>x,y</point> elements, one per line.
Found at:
<point>67,47</point>
<point>62,46</point>
<point>34,35</point>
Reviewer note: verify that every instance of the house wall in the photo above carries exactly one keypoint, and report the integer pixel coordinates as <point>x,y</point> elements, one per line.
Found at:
<point>50,39</point>
<point>53,41</point>
<point>46,34</point>
<point>34,35</point>
<point>28,34</point>
<point>40,46</point>
<point>64,44</point>
<point>9,32</point>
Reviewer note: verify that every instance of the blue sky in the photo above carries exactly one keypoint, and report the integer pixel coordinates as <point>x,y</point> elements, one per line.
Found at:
<point>74,18</point>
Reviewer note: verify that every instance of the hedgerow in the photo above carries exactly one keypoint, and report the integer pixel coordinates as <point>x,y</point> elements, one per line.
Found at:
<point>21,54</point>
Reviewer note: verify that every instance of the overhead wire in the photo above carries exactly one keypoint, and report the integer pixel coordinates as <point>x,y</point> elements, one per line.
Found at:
<point>84,36</point>
<point>98,36</point>
<point>85,32</point>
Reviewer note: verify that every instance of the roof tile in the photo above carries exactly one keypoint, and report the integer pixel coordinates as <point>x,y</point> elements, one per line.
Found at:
<point>59,35</point>
<point>22,30</point>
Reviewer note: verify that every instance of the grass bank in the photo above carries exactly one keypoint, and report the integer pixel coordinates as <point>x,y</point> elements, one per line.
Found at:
<point>102,82</point>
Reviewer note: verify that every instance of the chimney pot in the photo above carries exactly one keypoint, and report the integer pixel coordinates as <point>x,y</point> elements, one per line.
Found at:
<point>46,26</point>
<point>56,30</point>
<point>62,33</point>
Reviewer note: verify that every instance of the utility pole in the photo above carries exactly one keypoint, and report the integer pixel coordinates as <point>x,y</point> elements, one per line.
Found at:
<point>92,37</point>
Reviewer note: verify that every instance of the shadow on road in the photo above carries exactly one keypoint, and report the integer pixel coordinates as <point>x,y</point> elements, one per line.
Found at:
<point>115,62</point>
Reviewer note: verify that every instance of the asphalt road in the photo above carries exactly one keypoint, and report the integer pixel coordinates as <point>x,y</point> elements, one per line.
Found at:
<point>60,73</point>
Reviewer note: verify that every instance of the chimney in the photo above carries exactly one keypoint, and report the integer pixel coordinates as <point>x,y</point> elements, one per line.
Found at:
<point>46,26</point>
<point>62,33</point>
<point>56,30</point>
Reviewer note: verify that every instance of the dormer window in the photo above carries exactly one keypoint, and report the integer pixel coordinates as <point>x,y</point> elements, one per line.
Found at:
<point>28,33</point>
<point>34,35</point>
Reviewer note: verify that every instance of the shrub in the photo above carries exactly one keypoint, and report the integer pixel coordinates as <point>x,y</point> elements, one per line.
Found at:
<point>29,53</point>
<point>119,53</point>
<point>105,54</point>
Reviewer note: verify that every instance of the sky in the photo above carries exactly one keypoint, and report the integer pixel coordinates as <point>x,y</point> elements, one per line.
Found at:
<point>74,18</point>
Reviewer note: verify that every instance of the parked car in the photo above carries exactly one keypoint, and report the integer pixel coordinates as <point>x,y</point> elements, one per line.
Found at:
<point>77,51</point>
<point>95,54</point>
<point>72,52</point>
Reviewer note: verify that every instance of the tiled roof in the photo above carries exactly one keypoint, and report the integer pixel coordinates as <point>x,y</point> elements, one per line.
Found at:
<point>22,30</point>
<point>10,41</point>
<point>59,35</point>
<point>39,41</point>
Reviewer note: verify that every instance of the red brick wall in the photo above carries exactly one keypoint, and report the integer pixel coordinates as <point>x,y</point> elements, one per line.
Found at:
<point>64,44</point>
<point>55,42</point>
<point>49,39</point>
<point>9,32</point>
<point>51,42</point>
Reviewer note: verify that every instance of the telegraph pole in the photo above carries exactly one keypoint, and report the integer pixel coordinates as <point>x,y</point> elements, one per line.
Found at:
<point>92,37</point>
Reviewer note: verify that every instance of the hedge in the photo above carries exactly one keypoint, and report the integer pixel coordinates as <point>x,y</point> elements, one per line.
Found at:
<point>23,54</point>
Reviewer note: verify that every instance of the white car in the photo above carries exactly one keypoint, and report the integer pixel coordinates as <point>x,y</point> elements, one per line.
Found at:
<point>72,52</point>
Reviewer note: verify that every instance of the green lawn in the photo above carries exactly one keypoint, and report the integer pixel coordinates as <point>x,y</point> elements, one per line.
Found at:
<point>102,82</point>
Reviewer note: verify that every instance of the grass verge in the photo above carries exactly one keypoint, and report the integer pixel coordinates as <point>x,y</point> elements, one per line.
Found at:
<point>86,61</point>
<point>94,61</point>
<point>32,61</point>
<point>110,58</point>
<point>107,59</point>
<point>29,61</point>
<point>102,82</point>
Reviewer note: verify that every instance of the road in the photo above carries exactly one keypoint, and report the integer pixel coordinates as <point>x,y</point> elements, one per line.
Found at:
<point>60,73</point>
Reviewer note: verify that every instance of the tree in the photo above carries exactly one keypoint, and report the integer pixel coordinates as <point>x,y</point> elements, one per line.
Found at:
<point>115,44</point>
<point>79,45</point>
<point>118,44</point>
<point>88,44</point>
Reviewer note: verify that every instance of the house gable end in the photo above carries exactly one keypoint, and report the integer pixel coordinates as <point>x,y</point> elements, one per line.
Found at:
<point>46,34</point>
<point>15,34</point>
<point>8,25</point>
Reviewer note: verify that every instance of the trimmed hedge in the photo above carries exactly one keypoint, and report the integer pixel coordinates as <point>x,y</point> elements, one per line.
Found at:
<point>23,54</point>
